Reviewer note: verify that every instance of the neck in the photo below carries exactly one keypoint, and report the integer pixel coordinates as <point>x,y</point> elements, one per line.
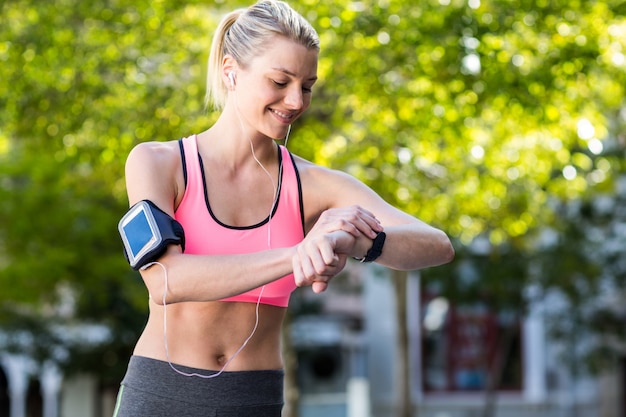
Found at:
<point>227,142</point>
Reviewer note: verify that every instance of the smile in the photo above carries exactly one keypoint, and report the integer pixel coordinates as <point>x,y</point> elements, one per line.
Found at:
<point>286,116</point>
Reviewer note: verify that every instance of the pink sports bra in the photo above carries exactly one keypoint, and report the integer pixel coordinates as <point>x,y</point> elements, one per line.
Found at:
<point>205,234</point>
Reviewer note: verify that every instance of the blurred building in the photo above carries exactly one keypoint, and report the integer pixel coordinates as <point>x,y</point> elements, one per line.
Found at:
<point>353,339</point>
<point>29,388</point>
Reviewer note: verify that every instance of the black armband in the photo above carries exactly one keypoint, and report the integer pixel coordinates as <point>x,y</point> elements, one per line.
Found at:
<point>146,232</point>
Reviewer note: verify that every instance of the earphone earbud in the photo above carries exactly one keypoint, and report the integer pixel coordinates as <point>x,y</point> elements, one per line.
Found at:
<point>231,77</point>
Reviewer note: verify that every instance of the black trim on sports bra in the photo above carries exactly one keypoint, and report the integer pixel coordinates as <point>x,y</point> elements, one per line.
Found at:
<point>254,226</point>
<point>295,168</point>
<point>183,160</point>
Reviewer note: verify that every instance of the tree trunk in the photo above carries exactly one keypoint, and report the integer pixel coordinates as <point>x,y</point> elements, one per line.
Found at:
<point>495,371</point>
<point>403,378</point>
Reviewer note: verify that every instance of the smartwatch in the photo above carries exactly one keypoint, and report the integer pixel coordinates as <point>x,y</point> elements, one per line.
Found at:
<point>376,250</point>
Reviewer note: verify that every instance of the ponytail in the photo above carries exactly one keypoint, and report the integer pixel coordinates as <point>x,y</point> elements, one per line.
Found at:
<point>216,91</point>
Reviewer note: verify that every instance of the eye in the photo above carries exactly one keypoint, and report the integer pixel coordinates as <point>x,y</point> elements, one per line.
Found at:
<point>279,84</point>
<point>305,89</point>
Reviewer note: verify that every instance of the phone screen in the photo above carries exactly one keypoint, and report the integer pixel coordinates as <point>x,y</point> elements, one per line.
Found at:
<point>138,233</point>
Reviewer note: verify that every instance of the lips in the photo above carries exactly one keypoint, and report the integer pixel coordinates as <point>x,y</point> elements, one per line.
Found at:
<point>286,117</point>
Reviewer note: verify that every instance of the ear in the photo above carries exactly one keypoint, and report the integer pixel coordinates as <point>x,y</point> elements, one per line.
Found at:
<point>229,66</point>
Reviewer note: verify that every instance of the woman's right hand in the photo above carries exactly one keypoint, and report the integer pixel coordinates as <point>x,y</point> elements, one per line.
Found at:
<point>320,257</point>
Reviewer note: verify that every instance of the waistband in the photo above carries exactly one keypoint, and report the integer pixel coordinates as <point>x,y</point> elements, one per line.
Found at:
<point>240,388</point>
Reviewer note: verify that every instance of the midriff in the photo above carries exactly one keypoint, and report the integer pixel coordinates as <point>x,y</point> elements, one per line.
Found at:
<point>206,335</point>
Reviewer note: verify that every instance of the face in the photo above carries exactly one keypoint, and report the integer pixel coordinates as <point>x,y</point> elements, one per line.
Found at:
<point>275,88</point>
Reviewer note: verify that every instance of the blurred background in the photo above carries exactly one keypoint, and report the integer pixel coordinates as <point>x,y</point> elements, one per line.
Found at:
<point>500,122</point>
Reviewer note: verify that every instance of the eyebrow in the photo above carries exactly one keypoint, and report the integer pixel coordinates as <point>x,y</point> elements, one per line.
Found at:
<point>286,71</point>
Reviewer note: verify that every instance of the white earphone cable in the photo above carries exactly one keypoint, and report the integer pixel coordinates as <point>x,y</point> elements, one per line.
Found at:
<point>167,353</point>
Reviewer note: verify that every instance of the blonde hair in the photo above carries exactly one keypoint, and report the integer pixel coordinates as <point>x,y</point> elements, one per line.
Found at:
<point>244,33</point>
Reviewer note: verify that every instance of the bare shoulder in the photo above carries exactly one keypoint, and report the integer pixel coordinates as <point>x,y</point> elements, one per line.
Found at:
<point>154,172</point>
<point>318,176</point>
<point>324,188</point>
<point>159,153</point>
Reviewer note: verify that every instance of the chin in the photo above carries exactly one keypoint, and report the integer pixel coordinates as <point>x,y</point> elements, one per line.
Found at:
<point>278,134</point>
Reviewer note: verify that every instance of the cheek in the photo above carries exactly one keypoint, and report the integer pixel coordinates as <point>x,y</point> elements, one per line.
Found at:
<point>266,96</point>
<point>306,101</point>
<point>256,103</point>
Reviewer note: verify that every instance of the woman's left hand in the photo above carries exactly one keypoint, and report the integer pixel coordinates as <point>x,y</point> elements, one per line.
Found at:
<point>353,219</point>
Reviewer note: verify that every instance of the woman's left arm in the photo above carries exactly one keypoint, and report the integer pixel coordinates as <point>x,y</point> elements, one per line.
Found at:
<point>410,243</point>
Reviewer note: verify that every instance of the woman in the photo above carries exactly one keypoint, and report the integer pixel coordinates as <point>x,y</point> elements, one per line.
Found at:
<point>258,221</point>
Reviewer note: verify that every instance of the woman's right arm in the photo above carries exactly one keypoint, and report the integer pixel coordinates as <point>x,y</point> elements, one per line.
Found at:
<point>154,172</point>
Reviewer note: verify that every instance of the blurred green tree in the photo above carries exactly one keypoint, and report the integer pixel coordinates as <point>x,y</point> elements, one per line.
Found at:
<point>82,83</point>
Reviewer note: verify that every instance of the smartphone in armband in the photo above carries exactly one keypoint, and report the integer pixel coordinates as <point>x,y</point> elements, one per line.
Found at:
<point>146,232</point>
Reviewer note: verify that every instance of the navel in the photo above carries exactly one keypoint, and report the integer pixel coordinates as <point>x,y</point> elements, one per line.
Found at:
<point>221,359</point>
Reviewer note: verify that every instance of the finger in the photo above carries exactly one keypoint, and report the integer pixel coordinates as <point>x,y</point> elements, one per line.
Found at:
<point>315,257</point>
<point>308,268</point>
<point>325,261</point>
<point>350,227</point>
<point>319,287</point>
<point>326,249</point>
<point>298,273</point>
<point>368,223</point>
<point>363,220</point>
<point>304,266</point>
<point>338,219</point>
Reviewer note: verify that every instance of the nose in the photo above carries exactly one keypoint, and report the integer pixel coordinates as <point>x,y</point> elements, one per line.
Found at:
<point>294,99</point>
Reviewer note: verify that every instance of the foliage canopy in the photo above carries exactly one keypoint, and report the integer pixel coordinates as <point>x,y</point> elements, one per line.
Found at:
<point>474,116</point>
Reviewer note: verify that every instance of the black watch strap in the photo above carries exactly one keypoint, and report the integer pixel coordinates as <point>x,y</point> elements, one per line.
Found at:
<point>376,250</point>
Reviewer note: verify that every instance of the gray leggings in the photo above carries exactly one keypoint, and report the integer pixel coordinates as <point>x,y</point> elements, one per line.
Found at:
<point>152,389</point>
